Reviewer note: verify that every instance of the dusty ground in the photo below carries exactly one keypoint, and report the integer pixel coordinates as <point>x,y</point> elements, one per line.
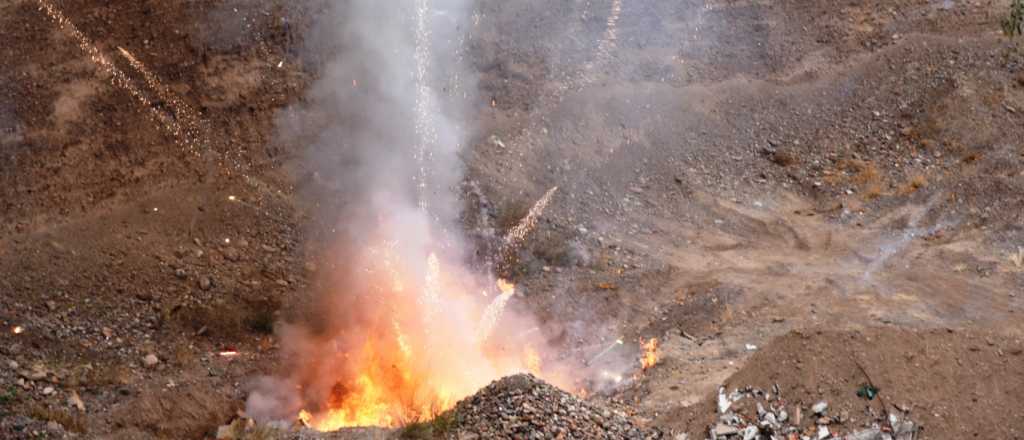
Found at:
<point>730,171</point>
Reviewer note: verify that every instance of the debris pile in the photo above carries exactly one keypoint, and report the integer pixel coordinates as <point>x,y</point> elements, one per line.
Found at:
<point>754,414</point>
<point>523,406</point>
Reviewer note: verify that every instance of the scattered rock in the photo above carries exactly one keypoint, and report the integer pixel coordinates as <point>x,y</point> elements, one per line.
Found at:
<point>771,420</point>
<point>723,430</point>
<point>54,427</point>
<point>150,360</point>
<point>74,400</point>
<point>180,273</point>
<point>205,283</point>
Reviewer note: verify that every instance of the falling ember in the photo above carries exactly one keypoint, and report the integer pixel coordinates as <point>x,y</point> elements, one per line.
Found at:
<point>228,353</point>
<point>517,235</point>
<point>649,357</point>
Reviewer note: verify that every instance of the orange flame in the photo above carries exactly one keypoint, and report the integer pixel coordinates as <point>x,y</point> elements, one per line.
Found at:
<point>415,347</point>
<point>649,357</point>
<point>532,360</point>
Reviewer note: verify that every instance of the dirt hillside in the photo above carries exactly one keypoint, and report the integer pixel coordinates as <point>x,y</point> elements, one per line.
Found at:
<point>776,190</point>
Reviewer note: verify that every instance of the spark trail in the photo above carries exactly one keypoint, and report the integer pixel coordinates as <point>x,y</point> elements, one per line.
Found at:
<point>492,314</point>
<point>424,126</point>
<point>182,111</point>
<point>118,78</point>
<point>517,235</point>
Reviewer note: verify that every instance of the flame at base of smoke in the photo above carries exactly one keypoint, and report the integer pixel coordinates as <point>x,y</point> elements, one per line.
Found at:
<point>378,355</point>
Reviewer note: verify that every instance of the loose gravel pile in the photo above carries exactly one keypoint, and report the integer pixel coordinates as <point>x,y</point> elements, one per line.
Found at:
<point>524,407</point>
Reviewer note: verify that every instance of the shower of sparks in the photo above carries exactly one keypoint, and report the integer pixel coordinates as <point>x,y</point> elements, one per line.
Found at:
<point>611,30</point>
<point>403,344</point>
<point>492,314</point>
<point>118,78</point>
<point>432,284</point>
<point>517,235</point>
<point>182,111</point>
<point>425,130</point>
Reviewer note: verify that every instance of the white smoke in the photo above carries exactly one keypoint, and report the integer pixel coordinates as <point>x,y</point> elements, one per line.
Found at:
<point>384,119</point>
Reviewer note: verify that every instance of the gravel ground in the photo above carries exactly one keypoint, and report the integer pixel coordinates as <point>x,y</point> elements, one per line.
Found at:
<point>522,406</point>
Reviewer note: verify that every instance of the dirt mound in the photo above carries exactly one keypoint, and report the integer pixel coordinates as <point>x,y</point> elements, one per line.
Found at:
<point>523,406</point>
<point>972,387</point>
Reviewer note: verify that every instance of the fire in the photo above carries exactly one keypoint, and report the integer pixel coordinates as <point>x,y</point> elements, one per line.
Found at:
<point>412,347</point>
<point>532,360</point>
<point>649,357</point>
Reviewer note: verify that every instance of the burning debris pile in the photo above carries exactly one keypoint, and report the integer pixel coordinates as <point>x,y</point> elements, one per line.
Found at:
<point>755,414</point>
<point>523,406</point>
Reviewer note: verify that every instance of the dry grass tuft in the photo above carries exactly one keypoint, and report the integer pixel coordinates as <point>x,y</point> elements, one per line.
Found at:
<point>915,183</point>
<point>194,412</point>
<point>230,318</point>
<point>71,422</point>
<point>438,427</point>
<point>1017,258</point>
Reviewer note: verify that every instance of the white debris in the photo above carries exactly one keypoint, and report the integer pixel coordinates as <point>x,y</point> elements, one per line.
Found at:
<point>823,432</point>
<point>723,402</point>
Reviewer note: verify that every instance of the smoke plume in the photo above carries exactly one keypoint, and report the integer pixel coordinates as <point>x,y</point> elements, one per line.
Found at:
<point>405,327</point>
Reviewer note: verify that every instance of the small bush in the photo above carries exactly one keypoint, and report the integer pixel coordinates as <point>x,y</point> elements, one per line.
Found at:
<point>439,427</point>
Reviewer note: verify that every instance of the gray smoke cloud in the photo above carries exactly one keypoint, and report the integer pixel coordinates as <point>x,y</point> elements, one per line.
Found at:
<point>384,125</point>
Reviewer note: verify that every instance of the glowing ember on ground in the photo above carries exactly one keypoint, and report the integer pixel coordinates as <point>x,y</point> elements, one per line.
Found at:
<point>18,329</point>
<point>228,353</point>
<point>649,357</point>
